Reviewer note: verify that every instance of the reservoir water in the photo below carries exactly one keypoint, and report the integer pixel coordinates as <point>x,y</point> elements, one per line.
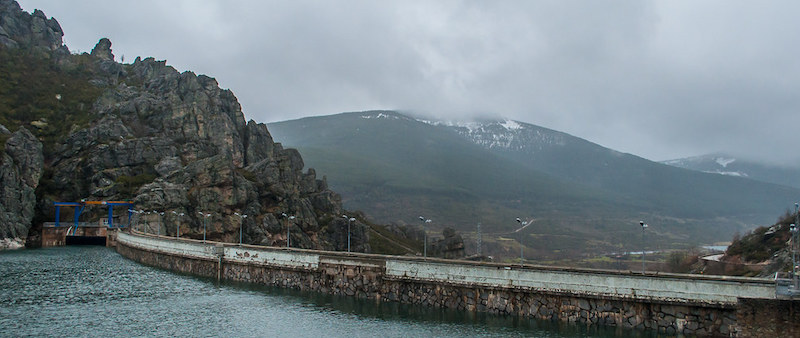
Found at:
<point>93,291</point>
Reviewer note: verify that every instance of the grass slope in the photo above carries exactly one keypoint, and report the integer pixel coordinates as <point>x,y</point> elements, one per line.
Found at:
<point>585,198</point>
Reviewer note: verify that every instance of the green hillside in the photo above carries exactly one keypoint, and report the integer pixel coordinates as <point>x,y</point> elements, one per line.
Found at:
<point>398,169</point>
<point>584,198</point>
<point>48,98</point>
<point>662,189</point>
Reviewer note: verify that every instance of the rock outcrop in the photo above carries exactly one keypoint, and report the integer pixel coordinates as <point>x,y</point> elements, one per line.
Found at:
<point>102,50</point>
<point>172,142</point>
<point>450,246</point>
<point>21,165</point>
<point>192,138</point>
<point>20,29</point>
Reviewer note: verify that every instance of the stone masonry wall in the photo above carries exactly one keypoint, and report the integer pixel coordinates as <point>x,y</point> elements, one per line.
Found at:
<point>768,318</point>
<point>364,276</point>
<point>665,318</point>
<point>188,265</point>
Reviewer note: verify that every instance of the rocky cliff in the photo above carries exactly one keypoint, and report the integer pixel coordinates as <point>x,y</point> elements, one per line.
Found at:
<point>172,142</point>
<point>20,29</point>
<point>451,245</point>
<point>20,171</point>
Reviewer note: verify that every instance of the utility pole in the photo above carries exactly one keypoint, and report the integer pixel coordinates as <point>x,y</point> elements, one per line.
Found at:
<point>644,226</point>
<point>479,238</point>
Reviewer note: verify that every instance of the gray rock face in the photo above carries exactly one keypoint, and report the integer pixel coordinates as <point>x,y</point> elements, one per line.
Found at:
<point>451,246</point>
<point>102,50</point>
<point>21,166</point>
<point>190,138</point>
<point>172,142</point>
<point>18,28</point>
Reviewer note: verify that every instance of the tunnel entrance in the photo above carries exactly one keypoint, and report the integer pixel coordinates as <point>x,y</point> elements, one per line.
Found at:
<point>85,240</point>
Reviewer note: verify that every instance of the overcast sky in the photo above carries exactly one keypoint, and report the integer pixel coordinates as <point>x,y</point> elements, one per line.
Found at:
<point>661,80</point>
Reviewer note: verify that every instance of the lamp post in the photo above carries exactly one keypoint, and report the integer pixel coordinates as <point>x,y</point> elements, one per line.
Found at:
<point>155,212</point>
<point>205,220</point>
<point>241,221</point>
<point>479,240</point>
<point>135,220</point>
<point>130,218</point>
<point>139,218</point>
<point>158,216</point>
<point>178,228</point>
<point>288,238</point>
<point>146,225</point>
<point>794,231</point>
<point>349,220</point>
<point>521,247</point>
<point>161,223</point>
<point>425,232</point>
<point>644,226</point>
<point>130,226</point>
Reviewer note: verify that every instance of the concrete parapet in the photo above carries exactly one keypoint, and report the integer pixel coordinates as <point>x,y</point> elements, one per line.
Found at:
<point>668,303</point>
<point>598,283</point>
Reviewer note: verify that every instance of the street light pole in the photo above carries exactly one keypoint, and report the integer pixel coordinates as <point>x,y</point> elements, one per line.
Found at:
<point>479,239</point>
<point>130,218</point>
<point>521,246</point>
<point>241,221</point>
<point>205,220</point>
<point>158,223</point>
<point>146,224</point>
<point>135,220</point>
<point>425,232</point>
<point>139,220</point>
<point>348,231</point>
<point>644,226</point>
<point>794,231</point>
<point>160,218</point>
<point>288,233</point>
<point>349,220</point>
<point>178,228</point>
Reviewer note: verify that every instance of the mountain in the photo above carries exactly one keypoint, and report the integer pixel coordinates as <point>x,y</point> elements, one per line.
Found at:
<point>582,197</point>
<point>647,184</point>
<point>82,126</point>
<point>730,165</point>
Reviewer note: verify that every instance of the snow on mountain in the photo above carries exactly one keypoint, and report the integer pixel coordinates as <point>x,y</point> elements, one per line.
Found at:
<point>712,164</point>
<point>728,173</point>
<point>725,161</point>
<point>381,115</point>
<point>731,166</point>
<point>511,125</point>
<point>505,134</point>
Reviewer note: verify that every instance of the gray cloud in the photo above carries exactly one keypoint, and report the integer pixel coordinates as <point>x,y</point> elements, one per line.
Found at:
<point>660,79</point>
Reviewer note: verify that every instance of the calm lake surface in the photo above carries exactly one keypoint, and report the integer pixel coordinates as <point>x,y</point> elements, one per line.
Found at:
<point>93,291</point>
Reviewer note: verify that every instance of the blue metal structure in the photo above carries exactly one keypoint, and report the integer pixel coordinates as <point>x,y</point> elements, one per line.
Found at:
<point>79,206</point>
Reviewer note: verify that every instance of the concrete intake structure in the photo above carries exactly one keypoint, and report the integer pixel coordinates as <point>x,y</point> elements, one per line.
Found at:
<point>669,303</point>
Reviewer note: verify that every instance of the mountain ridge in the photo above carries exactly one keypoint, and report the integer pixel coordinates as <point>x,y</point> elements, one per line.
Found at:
<point>615,188</point>
<point>725,164</point>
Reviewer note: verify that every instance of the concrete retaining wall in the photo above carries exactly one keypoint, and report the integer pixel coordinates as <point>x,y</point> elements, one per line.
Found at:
<point>669,303</point>
<point>670,287</point>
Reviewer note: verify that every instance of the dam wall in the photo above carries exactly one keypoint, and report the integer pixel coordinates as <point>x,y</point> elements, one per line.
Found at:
<point>668,303</point>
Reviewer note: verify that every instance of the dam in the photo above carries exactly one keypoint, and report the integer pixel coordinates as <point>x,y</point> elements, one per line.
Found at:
<point>667,303</point>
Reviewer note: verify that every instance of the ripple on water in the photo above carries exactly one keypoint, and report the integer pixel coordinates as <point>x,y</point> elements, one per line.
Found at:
<point>93,291</point>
